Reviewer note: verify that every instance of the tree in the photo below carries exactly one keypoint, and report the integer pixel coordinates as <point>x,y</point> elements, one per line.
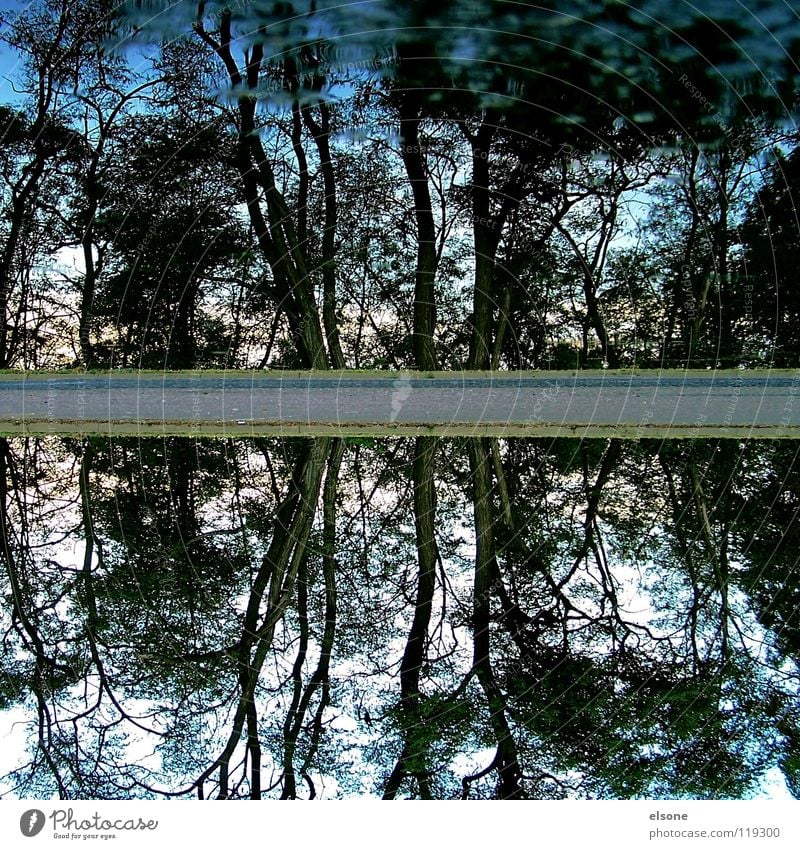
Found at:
<point>59,40</point>
<point>277,233</point>
<point>280,593</point>
<point>770,239</point>
<point>596,77</point>
<point>104,103</point>
<point>168,216</point>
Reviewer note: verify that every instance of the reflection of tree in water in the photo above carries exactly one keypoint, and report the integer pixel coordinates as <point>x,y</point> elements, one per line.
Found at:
<point>438,619</point>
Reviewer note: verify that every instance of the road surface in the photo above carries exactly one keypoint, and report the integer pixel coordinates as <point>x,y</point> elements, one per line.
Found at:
<point>639,405</point>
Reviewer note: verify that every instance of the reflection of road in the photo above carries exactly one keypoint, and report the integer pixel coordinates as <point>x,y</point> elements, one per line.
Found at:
<point>628,405</point>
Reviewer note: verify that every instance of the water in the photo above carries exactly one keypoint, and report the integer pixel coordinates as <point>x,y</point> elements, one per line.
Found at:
<point>413,618</point>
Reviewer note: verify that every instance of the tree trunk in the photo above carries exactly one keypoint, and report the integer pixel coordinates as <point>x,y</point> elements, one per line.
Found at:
<point>485,242</point>
<point>595,317</point>
<point>424,292</point>
<point>413,759</point>
<point>87,299</point>
<point>727,355</point>
<point>506,760</point>
<point>279,239</point>
<point>296,716</point>
<point>181,352</point>
<point>321,134</point>
<point>23,193</point>
<point>274,583</point>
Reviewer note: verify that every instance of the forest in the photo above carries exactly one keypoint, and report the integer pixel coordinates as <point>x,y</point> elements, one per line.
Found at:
<point>410,618</point>
<point>478,185</point>
<point>259,185</point>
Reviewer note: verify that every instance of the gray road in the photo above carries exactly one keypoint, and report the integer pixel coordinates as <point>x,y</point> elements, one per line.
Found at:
<point>597,403</point>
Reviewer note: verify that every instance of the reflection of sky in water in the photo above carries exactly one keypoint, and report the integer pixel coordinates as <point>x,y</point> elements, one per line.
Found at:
<point>212,508</point>
<point>608,49</point>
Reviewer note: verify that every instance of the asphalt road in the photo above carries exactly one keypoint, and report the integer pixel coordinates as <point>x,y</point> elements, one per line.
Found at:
<point>597,403</point>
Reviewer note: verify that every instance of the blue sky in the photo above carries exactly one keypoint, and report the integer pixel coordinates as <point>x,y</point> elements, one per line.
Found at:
<point>9,68</point>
